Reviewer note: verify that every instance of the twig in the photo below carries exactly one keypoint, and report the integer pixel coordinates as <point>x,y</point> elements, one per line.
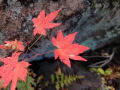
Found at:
<point>34,42</point>
<point>103,63</point>
<point>97,56</point>
<point>38,55</point>
<point>29,47</point>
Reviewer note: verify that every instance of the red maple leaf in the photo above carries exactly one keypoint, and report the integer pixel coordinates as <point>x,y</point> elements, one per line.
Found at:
<point>11,70</point>
<point>41,22</point>
<point>3,47</point>
<point>65,48</point>
<point>15,45</point>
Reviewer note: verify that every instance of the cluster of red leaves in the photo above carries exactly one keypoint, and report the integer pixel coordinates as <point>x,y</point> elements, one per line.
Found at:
<point>12,69</point>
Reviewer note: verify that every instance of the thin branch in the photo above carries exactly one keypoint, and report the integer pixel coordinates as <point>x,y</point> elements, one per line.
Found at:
<point>97,56</point>
<point>34,42</point>
<point>103,63</point>
<point>37,55</point>
<point>29,47</point>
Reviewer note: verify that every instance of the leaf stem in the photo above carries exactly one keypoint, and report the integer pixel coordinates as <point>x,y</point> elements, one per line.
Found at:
<point>29,47</point>
<point>35,41</point>
<point>38,55</point>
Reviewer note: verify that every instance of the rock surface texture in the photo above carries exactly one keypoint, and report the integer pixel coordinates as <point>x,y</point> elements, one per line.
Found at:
<point>96,23</point>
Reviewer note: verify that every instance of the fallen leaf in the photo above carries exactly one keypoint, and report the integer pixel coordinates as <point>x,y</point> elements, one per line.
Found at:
<point>14,45</point>
<point>12,70</point>
<point>4,47</point>
<point>41,23</point>
<point>65,48</point>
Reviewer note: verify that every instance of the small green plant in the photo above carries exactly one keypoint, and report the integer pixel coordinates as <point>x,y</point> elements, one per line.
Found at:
<point>101,71</point>
<point>59,79</point>
<point>64,80</point>
<point>21,85</point>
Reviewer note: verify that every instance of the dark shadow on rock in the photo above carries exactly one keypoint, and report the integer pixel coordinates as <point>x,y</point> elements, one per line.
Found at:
<point>49,66</point>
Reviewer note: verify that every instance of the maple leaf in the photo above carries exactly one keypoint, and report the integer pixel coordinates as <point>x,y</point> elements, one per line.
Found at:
<point>11,70</point>
<point>4,47</point>
<point>65,48</point>
<point>41,22</point>
<point>15,45</point>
